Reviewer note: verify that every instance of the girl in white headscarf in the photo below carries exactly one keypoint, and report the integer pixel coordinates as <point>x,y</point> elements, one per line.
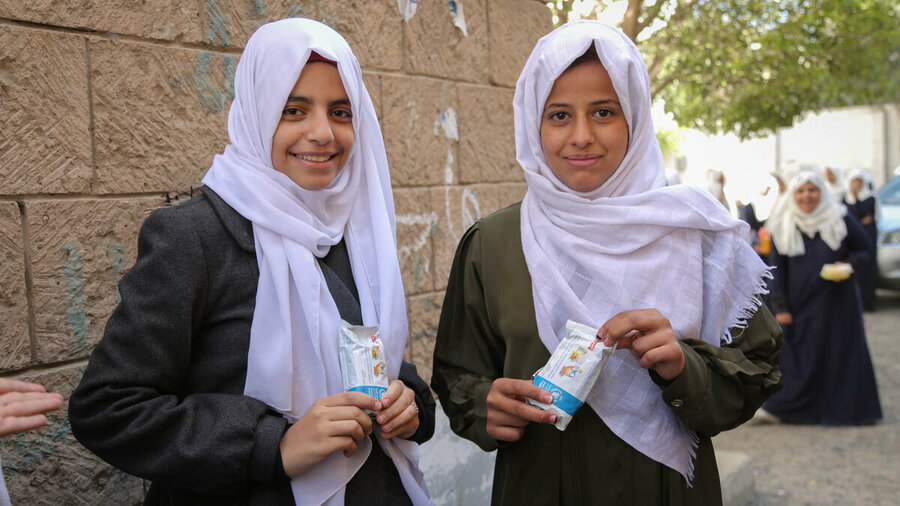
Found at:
<point>834,179</point>
<point>601,240</point>
<point>218,377</point>
<point>861,203</point>
<point>828,376</point>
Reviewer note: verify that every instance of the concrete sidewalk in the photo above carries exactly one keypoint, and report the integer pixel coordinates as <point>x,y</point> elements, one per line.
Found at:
<point>736,476</point>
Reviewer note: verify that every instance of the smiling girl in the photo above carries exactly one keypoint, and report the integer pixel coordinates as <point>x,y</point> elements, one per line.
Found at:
<point>218,376</point>
<point>599,239</point>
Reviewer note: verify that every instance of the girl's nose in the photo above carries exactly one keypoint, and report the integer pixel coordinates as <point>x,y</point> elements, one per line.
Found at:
<point>582,135</point>
<point>319,128</point>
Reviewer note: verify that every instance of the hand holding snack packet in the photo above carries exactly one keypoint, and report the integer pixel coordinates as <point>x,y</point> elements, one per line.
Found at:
<point>836,272</point>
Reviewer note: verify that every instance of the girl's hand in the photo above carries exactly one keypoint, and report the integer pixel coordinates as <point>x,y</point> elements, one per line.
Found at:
<point>649,336</point>
<point>507,412</point>
<point>333,423</point>
<point>23,404</point>
<point>399,415</point>
<point>784,318</point>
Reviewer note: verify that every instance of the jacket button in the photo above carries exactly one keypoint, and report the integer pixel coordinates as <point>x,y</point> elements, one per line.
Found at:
<point>677,403</point>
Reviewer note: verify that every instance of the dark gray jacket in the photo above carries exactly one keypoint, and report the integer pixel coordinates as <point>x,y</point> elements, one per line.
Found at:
<point>162,396</point>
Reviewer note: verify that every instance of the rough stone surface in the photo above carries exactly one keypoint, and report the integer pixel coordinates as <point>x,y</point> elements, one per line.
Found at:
<point>15,350</point>
<point>154,19</point>
<point>487,143</point>
<point>457,208</point>
<point>516,27</point>
<point>509,194</point>
<point>44,99</point>
<point>232,22</point>
<point>417,148</point>
<point>47,466</point>
<point>160,114</point>
<point>80,249</point>
<point>416,228</point>
<point>372,28</point>
<point>435,47</point>
<point>372,82</point>
<point>424,314</point>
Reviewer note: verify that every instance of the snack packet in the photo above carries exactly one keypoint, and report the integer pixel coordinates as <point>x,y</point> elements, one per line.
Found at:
<point>572,371</point>
<point>836,272</point>
<point>363,366</point>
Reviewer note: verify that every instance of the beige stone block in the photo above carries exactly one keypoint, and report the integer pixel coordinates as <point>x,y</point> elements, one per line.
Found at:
<point>154,19</point>
<point>160,114</point>
<point>419,151</point>
<point>45,140</point>
<point>487,143</point>
<point>15,350</point>
<point>435,47</point>
<point>416,228</point>
<point>232,22</point>
<point>457,208</point>
<point>424,315</point>
<point>371,27</point>
<point>511,193</point>
<point>515,28</point>
<point>79,251</point>
<point>47,466</point>
<point>372,83</point>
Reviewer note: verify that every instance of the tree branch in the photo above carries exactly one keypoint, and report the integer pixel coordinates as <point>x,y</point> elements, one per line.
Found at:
<point>650,16</point>
<point>630,20</point>
<point>658,86</point>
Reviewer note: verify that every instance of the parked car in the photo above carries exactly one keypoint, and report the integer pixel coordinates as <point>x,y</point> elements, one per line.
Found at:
<point>888,199</point>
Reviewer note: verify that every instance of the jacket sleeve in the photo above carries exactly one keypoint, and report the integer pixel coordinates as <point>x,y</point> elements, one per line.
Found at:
<point>467,355</point>
<point>424,402</point>
<point>722,387</point>
<point>131,407</point>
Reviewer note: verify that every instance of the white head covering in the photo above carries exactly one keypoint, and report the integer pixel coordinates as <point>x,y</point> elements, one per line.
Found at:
<point>787,220</point>
<point>837,189</point>
<point>293,357</point>
<point>632,243</point>
<point>865,192</point>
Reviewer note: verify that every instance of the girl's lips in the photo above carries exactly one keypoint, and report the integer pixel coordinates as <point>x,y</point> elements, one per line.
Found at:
<point>315,161</point>
<point>582,161</point>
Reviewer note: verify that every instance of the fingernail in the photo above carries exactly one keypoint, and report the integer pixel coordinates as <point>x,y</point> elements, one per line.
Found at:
<point>381,419</point>
<point>379,406</point>
<point>386,428</point>
<point>548,399</point>
<point>552,418</point>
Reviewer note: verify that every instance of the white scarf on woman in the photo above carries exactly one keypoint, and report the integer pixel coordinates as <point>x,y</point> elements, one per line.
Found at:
<point>293,357</point>
<point>630,244</point>
<point>787,220</point>
<point>864,193</point>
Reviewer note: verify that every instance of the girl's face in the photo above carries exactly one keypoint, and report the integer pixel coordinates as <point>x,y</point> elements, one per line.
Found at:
<point>583,130</point>
<point>807,197</point>
<point>315,135</point>
<point>856,185</point>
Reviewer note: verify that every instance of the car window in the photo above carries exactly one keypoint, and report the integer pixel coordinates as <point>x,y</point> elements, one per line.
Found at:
<point>890,194</point>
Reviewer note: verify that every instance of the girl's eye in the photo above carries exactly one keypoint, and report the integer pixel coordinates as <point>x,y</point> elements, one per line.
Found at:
<point>291,111</point>
<point>558,116</point>
<point>342,113</point>
<point>603,113</point>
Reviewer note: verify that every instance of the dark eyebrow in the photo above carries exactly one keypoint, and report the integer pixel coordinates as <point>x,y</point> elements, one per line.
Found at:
<point>598,102</point>
<point>309,101</point>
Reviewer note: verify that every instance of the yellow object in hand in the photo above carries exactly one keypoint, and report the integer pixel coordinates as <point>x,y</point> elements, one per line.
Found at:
<point>836,272</point>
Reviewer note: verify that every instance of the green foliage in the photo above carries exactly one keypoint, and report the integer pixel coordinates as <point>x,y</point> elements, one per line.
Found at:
<point>753,66</point>
<point>668,140</point>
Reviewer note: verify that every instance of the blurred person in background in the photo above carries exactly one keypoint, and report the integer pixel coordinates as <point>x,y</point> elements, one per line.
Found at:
<point>834,179</point>
<point>22,408</point>
<point>860,202</point>
<point>825,363</point>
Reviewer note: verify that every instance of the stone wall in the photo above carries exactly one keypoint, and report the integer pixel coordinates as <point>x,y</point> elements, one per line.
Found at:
<point>112,108</point>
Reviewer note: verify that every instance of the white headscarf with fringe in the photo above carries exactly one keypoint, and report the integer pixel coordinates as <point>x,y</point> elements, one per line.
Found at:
<point>865,192</point>
<point>632,243</point>
<point>293,357</point>
<point>788,221</point>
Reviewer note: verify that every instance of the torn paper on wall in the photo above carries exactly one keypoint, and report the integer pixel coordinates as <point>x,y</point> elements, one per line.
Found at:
<point>459,17</point>
<point>407,9</point>
<point>449,123</point>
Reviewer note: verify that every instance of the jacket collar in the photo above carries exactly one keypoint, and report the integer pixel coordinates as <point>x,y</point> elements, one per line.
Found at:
<point>239,227</point>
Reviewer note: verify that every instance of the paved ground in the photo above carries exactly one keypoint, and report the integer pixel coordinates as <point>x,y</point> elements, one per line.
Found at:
<point>810,465</point>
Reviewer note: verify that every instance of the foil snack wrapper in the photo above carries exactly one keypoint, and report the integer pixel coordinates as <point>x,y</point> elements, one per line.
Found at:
<point>363,363</point>
<point>571,372</point>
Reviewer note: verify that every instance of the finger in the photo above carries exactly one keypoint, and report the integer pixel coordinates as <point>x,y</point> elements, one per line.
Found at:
<point>514,388</point>
<point>405,417</point>
<point>14,424</point>
<point>350,413</point>
<point>346,428</point>
<point>523,411</point>
<point>348,445</point>
<point>642,320</point>
<point>11,385</point>
<point>510,434</point>
<point>505,419</point>
<point>646,342</point>
<point>358,399</point>
<point>395,389</point>
<point>29,407</point>
<point>404,401</point>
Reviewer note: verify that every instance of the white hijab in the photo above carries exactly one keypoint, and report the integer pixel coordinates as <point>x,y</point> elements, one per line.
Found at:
<point>837,188</point>
<point>788,220</point>
<point>865,192</point>
<point>632,243</point>
<point>293,357</point>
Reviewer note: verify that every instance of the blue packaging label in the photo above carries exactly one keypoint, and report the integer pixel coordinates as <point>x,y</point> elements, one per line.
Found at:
<point>374,391</point>
<point>561,399</point>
